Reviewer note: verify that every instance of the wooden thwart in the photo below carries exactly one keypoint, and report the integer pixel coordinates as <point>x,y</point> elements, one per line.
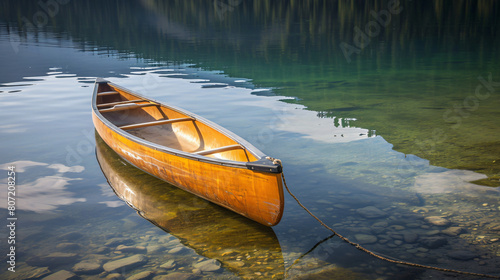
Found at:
<point>127,106</point>
<point>219,150</point>
<point>107,93</point>
<point>160,122</point>
<point>120,102</point>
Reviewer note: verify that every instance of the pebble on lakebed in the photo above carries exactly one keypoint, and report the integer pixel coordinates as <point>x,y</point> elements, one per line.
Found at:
<point>462,255</point>
<point>437,221</point>
<point>87,267</point>
<point>371,212</point>
<point>208,265</point>
<point>365,238</point>
<point>125,263</point>
<point>144,275</point>
<point>169,264</point>
<point>61,275</point>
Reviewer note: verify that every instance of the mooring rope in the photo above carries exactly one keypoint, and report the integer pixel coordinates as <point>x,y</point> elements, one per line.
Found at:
<point>307,253</point>
<point>371,253</point>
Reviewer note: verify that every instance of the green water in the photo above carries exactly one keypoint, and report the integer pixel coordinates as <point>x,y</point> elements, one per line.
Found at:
<point>378,132</point>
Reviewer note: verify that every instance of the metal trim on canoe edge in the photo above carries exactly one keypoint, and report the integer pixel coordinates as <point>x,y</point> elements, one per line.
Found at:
<point>261,165</point>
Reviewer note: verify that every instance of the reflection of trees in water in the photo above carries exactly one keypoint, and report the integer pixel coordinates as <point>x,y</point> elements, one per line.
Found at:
<point>156,27</point>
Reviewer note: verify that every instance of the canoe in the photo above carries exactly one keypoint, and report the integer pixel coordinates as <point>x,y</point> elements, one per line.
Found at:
<point>210,230</point>
<point>189,152</point>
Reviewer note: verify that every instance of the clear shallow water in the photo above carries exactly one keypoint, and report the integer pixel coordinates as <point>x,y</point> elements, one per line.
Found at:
<point>350,149</point>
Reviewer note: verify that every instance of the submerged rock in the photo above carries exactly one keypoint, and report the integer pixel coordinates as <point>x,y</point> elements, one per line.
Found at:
<point>371,212</point>
<point>114,276</point>
<point>87,267</point>
<point>61,275</point>
<point>141,276</point>
<point>164,239</point>
<point>410,237</point>
<point>462,255</point>
<point>131,249</point>
<point>379,227</point>
<point>29,272</point>
<point>432,232</point>
<point>397,227</point>
<point>68,246</point>
<point>173,243</point>
<point>176,250</point>
<point>208,265</point>
<point>235,263</point>
<point>382,224</point>
<point>365,238</point>
<point>53,259</point>
<point>433,242</point>
<point>396,236</point>
<point>494,227</point>
<point>177,276</point>
<point>102,250</point>
<point>168,265</point>
<point>452,231</point>
<point>413,225</point>
<point>125,263</point>
<point>155,248</point>
<point>437,221</point>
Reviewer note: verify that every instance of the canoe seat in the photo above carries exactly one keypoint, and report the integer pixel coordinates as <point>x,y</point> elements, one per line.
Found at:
<point>159,122</point>
<point>219,150</point>
<point>126,106</point>
<point>107,93</point>
<point>120,102</point>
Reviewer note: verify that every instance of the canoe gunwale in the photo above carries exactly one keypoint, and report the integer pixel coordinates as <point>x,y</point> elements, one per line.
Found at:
<point>261,165</point>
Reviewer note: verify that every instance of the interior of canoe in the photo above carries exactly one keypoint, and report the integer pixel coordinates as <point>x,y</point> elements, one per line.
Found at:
<point>164,126</point>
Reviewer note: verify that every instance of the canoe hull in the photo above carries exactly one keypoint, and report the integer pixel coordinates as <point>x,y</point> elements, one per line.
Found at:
<point>253,194</point>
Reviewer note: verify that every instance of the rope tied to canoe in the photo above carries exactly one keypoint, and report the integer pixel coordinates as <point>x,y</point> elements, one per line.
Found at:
<point>275,161</point>
<point>369,252</point>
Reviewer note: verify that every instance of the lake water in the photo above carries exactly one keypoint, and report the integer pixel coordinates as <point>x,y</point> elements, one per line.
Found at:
<point>385,115</point>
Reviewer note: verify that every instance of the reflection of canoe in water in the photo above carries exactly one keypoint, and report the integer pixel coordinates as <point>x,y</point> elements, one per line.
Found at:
<point>244,247</point>
<point>189,152</point>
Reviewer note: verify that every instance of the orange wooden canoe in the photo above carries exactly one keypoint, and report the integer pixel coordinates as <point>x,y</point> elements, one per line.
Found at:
<point>189,152</point>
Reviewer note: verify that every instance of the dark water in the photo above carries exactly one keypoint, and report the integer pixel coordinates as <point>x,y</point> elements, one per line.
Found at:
<point>384,114</point>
